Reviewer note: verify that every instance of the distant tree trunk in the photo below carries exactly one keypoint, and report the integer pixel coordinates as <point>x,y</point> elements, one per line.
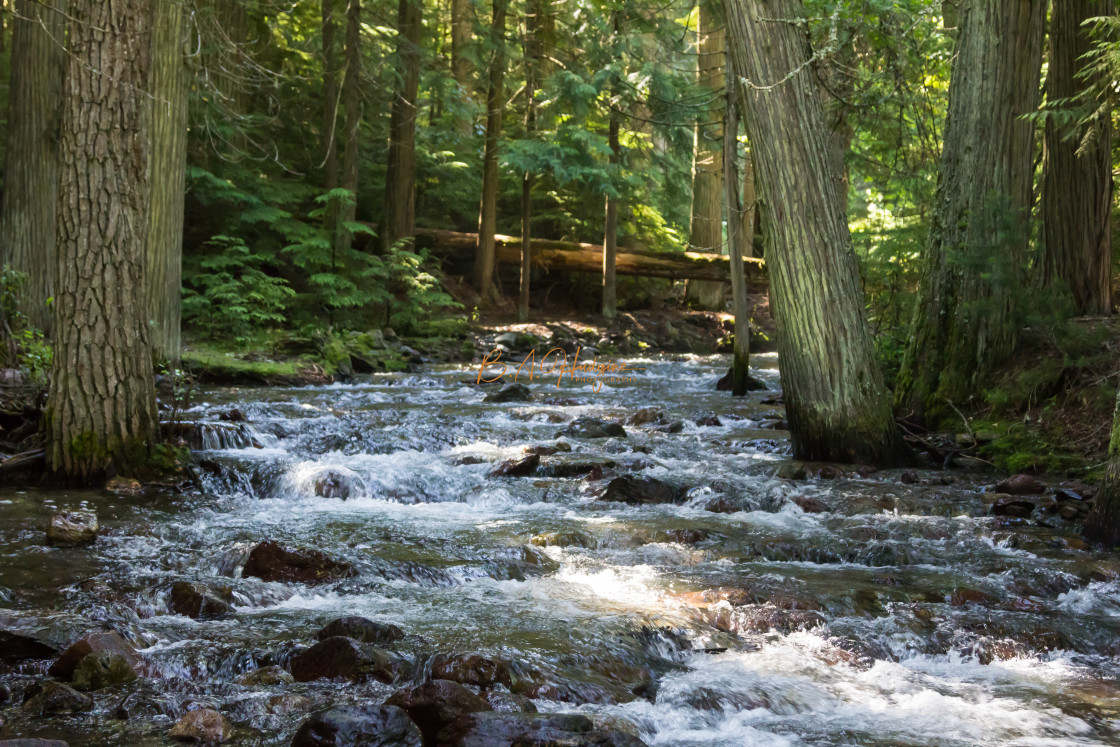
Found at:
<point>168,178</point>
<point>27,218</point>
<point>488,207</point>
<point>964,321</point>
<point>610,228</point>
<point>836,403</point>
<point>460,41</point>
<point>400,174</point>
<point>705,232</point>
<point>740,224</point>
<point>610,222</point>
<point>330,97</point>
<point>532,52</point>
<point>352,97</point>
<point>101,412</point>
<point>1077,189</point>
<point>1103,522</point>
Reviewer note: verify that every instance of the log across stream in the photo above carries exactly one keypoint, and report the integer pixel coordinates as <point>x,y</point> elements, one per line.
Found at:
<point>666,576</point>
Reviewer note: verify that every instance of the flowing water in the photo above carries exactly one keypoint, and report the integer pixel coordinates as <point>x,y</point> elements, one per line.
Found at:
<point>904,615</point>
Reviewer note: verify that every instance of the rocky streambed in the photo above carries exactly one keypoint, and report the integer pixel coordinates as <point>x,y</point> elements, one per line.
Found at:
<point>415,559</point>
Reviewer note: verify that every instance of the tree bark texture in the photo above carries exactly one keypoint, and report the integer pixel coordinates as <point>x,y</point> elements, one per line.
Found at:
<point>1103,522</point>
<point>101,412</point>
<point>1077,189</point>
<point>965,318</point>
<point>532,53</point>
<point>461,33</point>
<point>836,403</point>
<point>352,102</point>
<point>739,222</point>
<point>400,174</point>
<point>610,229</point>
<point>330,96</point>
<point>705,233</point>
<point>168,169</point>
<point>27,217</point>
<point>488,206</point>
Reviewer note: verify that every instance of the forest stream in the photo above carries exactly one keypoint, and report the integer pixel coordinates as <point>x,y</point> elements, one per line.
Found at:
<point>714,604</point>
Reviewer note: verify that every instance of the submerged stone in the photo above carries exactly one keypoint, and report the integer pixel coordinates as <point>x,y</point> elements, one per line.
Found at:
<point>270,561</point>
<point>72,528</point>
<point>203,725</point>
<point>368,726</point>
<point>361,629</point>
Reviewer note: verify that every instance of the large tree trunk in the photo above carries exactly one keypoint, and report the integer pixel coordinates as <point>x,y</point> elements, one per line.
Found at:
<point>964,321</point>
<point>488,206</point>
<point>330,97</point>
<point>740,222</point>
<point>1077,188</point>
<point>101,413</point>
<point>400,174</point>
<point>168,174</point>
<point>1103,522</point>
<point>836,402</point>
<point>460,42</point>
<point>27,218</point>
<point>352,97</point>
<point>705,233</point>
<point>610,220</point>
<point>532,53</point>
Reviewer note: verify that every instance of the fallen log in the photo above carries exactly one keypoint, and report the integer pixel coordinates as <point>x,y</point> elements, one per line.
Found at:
<point>572,256</point>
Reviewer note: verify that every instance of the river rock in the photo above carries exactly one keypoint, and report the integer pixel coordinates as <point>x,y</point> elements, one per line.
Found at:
<point>270,561</point>
<point>470,669</point>
<point>961,597</point>
<point>1020,485</point>
<point>520,467</point>
<point>282,705</point>
<point>489,729</point>
<point>198,602</point>
<point>646,415</point>
<point>638,491</point>
<point>124,486</point>
<point>726,383</point>
<point>49,698</point>
<point>1009,505</point>
<point>791,471</point>
<point>675,426</point>
<point>203,725</point>
<point>335,483</point>
<point>503,702</point>
<point>573,465</point>
<point>102,669</point>
<point>110,642</point>
<point>362,629</point>
<point>350,726</point>
<point>442,709</point>
<point>346,658</point>
<point>592,428</point>
<point>562,539</point>
<point>511,393</point>
<point>266,676</point>
<point>33,743</point>
<point>19,647</point>
<point>710,420</point>
<point>810,505</point>
<point>72,528</point>
<point>687,536</point>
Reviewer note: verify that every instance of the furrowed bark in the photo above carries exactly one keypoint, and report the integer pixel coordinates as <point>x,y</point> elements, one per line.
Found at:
<point>532,52</point>
<point>739,220</point>
<point>488,206</point>
<point>352,102</point>
<point>400,173</point>
<point>27,216</point>
<point>705,233</point>
<point>836,402</point>
<point>101,412</point>
<point>964,321</point>
<point>168,169</point>
<point>1077,188</point>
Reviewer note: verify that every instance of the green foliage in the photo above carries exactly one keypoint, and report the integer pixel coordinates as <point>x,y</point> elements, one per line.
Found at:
<point>21,346</point>
<point>416,297</point>
<point>228,294</point>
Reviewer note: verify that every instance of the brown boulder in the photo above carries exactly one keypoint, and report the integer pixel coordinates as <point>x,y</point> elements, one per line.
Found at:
<point>199,602</point>
<point>361,629</point>
<point>72,528</point>
<point>346,658</point>
<point>442,709</point>
<point>520,467</point>
<point>470,669</point>
<point>1020,485</point>
<point>811,505</point>
<point>110,642</point>
<point>204,725</point>
<point>270,561</point>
